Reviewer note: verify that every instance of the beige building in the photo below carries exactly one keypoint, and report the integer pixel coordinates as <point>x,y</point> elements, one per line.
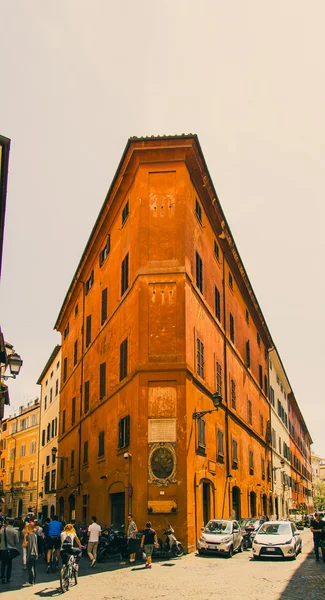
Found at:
<point>316,466</point>
<point>49,381</point>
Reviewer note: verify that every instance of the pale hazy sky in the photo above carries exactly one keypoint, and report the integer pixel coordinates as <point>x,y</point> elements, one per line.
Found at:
<point>79,77</point>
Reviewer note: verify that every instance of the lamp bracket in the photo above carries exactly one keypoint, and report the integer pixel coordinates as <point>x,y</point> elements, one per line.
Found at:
<point>199,415</point>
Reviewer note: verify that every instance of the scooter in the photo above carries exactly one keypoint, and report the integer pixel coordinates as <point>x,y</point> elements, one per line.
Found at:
<point>171,544</point>
<point>113,541</point>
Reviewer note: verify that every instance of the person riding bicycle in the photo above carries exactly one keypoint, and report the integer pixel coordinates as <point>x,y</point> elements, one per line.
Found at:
<point>53,532</point>
<point>68,537</point>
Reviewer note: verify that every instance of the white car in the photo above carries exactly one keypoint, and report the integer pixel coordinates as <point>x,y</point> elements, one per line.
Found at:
<point>221,536</point>
<point>277,539</point>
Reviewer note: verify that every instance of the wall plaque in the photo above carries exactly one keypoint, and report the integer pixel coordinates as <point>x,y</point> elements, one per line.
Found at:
<point>162,506</point>
<point>161,430</point>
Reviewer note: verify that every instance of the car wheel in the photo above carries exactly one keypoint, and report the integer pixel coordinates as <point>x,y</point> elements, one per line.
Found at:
<point>241,547</point>
<point>200,552</point>
<point>230,552</point>
<point>256,557</point>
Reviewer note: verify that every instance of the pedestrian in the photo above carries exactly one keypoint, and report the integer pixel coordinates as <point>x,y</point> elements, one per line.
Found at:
<point>148,541</point>
<point>40,541</point>
<point>53,532</point>
<point>32,553</point>
<point>9,539</point>
<point>94,531</point>
<point>316,527</point>
<point>24,545</point>
<point>132,538</point>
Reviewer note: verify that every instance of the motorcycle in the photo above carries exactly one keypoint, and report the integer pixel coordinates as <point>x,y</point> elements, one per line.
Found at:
<point>171,544</point>
<point>112,541</point>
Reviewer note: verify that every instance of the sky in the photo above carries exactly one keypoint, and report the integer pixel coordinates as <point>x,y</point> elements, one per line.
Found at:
<point>78,78</point>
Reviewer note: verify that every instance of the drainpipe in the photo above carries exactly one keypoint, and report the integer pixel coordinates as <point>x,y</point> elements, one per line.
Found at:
<point>227,483</point>
<point>81,382</point>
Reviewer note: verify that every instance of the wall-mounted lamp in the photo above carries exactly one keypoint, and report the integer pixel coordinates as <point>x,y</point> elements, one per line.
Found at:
<point>217,401</point>
<point>15,363</point>
<point>55,456</point>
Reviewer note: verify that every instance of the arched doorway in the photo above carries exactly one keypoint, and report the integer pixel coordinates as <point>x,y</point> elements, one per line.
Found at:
<point>276,507</point>
<point>72,507</point>
<point>61,508</point>
<point>264,504</point>
<point>52,511</point>
<point>252,504</point>
<point>20,508</point>
<point>236,502</point>
<point>116,495</point>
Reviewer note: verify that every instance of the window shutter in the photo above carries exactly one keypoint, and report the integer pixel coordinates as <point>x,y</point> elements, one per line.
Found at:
<point>127,430</point>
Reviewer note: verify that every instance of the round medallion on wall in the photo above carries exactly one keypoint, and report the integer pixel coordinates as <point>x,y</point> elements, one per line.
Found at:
<point>162,464</point>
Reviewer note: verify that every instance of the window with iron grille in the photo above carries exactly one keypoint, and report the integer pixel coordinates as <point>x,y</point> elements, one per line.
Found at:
<point>201,433</point>
<point>199,272</point>
<point>72,460</point>
<point>249,412</point>
<point>87,396</point>
<point>88,330</point>
<point>263,467</point>
<point>85,460</point>
<point>102,380</point>
<point>218,378</point>
<point>200,358</point>
<point>232,328</point>
<point>104,305</point>
<point>262,425</point>
<point>89,283</point>
<point>216,250</point>
<point>233,393</point>
<point>217,300</point>
<point>65,372</point>
<point>198,210</point>
<point>234,454</point>
<point>125,275</point>
<point>124,432</point>
<point>75,353</point>
<point>101,444</point>
<point>251,463</point>
<point>124,359</point>
<point>125,212</point>
<point>105,251</point>
<point>73,411</point>
<point>220,446</point>
<point>248,355</point>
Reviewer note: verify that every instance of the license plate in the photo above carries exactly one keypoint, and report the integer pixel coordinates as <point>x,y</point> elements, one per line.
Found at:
<point>213,546</point>
<point>270,549</point>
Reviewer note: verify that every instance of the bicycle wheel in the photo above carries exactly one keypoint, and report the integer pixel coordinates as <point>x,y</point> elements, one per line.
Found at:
<point>53,561</point>
<point>64,579</point>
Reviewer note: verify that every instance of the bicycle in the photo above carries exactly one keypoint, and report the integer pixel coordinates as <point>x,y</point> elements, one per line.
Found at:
<point>69,574</point>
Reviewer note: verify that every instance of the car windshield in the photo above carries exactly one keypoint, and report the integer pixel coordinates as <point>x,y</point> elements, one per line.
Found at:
<point>218,527</point>
<point>253,522</point>
<point>275,529</point>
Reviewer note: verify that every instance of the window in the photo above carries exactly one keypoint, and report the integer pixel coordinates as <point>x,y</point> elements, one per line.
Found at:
<point>233,394</point>
<point>234,454</point>
<point>24,423</point>
<point>273,438</point>
<point>218,378</point>
<point>75,353</point>
<point>123,359</point>
<point>53,479</point>
<point>216,250</point>
<point>269,471</point>
<point>73,411</point>
<point>262,425</point>
<point>248,355</point>
<point>125,212</point>
<point>42,475</point>
<point>249,412</point>
<point>52,372</point>
<point>270,365</point>
<point>2,463</point>
<point>87,396</point>
<point>217,302</point>
<point>200,358</point>
<point>65,335</point>
<point>72,460</point>
<point>65,369</point>
<point>12,453</point>
<point>76,310</point>
<point>43,437</point>
<point>102,380</point>
<point>280,446</point>
<point>198,210</point>
<point>230,280</point>
<point>45,402</point>
<point>62,469</point>
<point>220,446</point>
<point>199,272</point>
<point>124,432</point>
<point>53,428</point>
<point>247,316</point>
<point>21,475</point>
<point>48,432</point>
<point>251,463</point>
<point>47,483</point>
<point>105,251</point>
<point>51,395</point>
<point>125,275</point>
<point>263,467</point>
<point>232,328</point>
<point>101,448</point>
<point>88,330</point>
<point>272,396</point>
<point>89,283</point>
<point>260,374</point>
<point>63,422</point>
<point>56,387</point>
<point>22,451</point>
<point>85,453</point>
<point>104,305</point>
<point>31,474</point>
<point>258,337</point>
<point>265,385</point>
<point>47,460</point>
<point>201,433</point>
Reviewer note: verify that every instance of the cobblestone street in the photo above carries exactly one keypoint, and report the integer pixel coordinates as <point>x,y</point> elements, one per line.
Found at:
<point>189,577</point>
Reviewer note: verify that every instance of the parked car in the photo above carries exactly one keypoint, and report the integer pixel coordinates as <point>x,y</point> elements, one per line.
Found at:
<point>221,536</point>
<point>251,527</point>
<point>277,539</point>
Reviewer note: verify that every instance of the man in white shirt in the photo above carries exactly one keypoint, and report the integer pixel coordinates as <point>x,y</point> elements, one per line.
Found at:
<point>94,531</point>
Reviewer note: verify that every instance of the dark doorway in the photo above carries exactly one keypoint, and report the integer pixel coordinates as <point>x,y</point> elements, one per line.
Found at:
<point>72,507</point>
<point>236,502</point>
<point>206,502</point>
<point>264,504</point>
<point>117,509</point>
<point>252,503</point>
<point>52,511</point>
<point>45,512</point>
<point>277,507</point>
<point>61,508</point>
<point>20,508</point>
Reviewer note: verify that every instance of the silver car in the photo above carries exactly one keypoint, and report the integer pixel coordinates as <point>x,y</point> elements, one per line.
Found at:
<point>221,536</point>
<point>277,539</point>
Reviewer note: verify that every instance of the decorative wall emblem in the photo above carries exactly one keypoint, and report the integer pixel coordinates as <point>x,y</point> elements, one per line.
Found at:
<point>162,464</point>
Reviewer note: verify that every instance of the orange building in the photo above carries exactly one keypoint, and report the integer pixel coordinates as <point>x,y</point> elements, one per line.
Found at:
<point>300,459</point>
<point>159,317</point>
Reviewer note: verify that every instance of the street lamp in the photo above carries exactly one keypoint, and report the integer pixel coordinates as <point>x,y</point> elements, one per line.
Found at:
<point>55,456</point>
<point>15,363</point>
<point>217,401</point>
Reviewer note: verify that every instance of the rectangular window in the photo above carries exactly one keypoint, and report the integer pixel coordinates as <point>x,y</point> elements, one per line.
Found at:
<point>125,212</point>
<point>87,396</point>
<point>101,442</point>
<point>269,471</point>
<point>198,210</point>
<point>124,432</point>
<point>249,412</point>
<point>105,251</point>
<point>125,275</point>
<point>43,437</point>
<point>263,468</point>
<point>72,460</point>
<point>123,359</point>
<point>104,305</point>
<point>21,476</point>
<point>53,479</point>
<point>262,425</point>
<point>233,394</point>
<point>217,302</point>
<point>230,280</point>
<point>45,402</point>
<point>248,355</point>
<point>53,428</point>
<point>51,395</point>
<point>56,387</point>
<point>73,411</point>
<point>102,380</point>
<point>273,438</point>
<point>88,330</point>
<point>234,454</point>
<point>280,446</point>
<point>265,386</point>
<point>22,451</point>
<point>201,433</point>
<point>232,328</point>
<point>32,447</point>
<point>48,432</point>
<point>75,353</point>
<point>251,463</point>
<point>216,250</point>
<point>218,378</point>
<point>42,474</point>
<point>65,334</point>
<point>86,453</point>
<point>258,337</point>
<point>89,283</point>
<point>260,374</point>
<point>65,369</point>
<point>272,395</point>
<point>76,310</point>
<point>220,446</point>
<point>247,316</point>
<point>200,358</point>
<point>199,272</point>
<point>63,422</point>
<point>47,483</point>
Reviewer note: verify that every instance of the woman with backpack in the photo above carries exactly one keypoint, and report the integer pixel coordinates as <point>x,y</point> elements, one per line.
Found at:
<point>68,537</point>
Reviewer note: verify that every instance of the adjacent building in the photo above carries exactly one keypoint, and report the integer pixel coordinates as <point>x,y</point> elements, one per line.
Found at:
<point>49,381</point>
<point>300,455</point>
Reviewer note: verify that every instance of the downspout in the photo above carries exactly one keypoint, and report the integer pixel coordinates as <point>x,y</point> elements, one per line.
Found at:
<point>227,483</point>
<point>81,382</point>
<point>39,451</point>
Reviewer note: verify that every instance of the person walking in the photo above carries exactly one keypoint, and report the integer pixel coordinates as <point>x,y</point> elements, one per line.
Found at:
<point>316,527</point>
<point>24,545</point>
<point>131,538</point>
<point>148,541</point>
<point>32,553</point>
<point>94,531</point>
<point>9,539</point>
